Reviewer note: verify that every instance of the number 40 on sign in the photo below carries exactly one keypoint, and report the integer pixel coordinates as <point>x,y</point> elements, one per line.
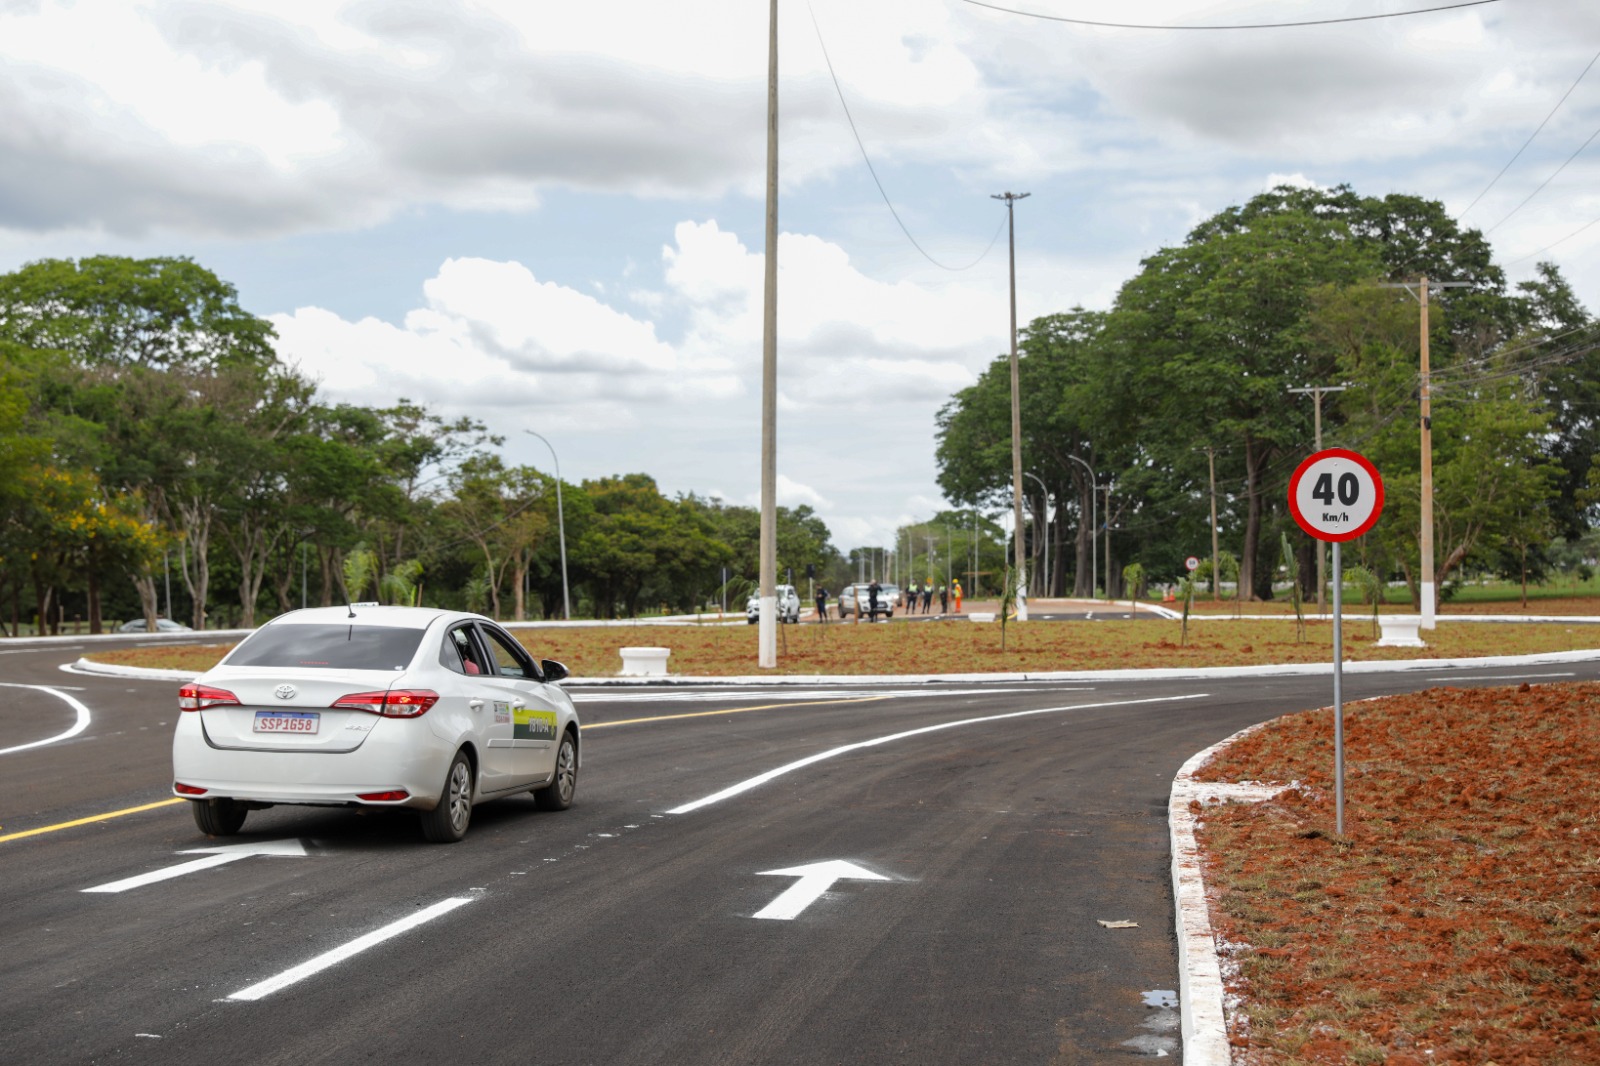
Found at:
<point>1336,495</point>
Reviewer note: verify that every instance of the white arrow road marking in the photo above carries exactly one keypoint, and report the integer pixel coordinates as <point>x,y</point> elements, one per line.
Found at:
<point>815,879</point>
<point>216,856</point>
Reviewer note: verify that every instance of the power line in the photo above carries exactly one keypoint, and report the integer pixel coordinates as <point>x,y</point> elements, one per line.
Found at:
<point>1546,181</point>
<point>1552,244</point>
<point>1234,26</point>
<point>874,172</point>
<point>1529,141</point>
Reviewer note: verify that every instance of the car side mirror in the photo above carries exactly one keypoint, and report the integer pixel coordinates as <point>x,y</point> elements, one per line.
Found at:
<point>554,671</point>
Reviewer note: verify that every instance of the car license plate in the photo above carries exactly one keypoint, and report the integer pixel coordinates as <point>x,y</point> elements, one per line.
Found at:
<point>287,721</point>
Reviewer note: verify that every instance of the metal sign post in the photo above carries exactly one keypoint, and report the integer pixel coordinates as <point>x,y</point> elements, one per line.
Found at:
<point>1336,495</point>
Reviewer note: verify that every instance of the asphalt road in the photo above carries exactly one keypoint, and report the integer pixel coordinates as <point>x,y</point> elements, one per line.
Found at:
<point>991,829</point>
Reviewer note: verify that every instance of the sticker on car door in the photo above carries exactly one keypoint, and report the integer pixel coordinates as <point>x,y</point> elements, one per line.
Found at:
<point>531,724</point>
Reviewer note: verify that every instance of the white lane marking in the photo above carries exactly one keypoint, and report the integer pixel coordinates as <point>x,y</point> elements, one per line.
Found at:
<point>314,966</point>
<point>815,879</point>
<point>761,779</point>
<point>216,856</point>
<point>78,727</point>
<point>1498,677</point>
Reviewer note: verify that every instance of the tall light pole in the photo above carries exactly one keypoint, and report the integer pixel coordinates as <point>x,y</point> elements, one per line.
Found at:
<point>1016,411</point>
<point>561,527</point>
<point>1046,524</point>
<point>1094,524</point>
<point>767,637</point>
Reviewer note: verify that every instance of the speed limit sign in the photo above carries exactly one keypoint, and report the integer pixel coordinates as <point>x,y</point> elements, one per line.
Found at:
<point>1336,495</point>
<point>1191,563</point>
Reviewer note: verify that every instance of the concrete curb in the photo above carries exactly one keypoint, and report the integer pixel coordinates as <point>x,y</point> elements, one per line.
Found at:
<point>1198,673</point>
<point>1200,992</point>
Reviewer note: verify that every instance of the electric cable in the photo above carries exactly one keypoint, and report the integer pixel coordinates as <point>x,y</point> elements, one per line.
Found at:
<point>874,172</point>
<point>1529,141</point>
<point>1546,181</point>
<point>1233,26</point>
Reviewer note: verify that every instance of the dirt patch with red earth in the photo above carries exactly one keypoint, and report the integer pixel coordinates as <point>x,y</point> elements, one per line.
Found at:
<point>1458,917</point>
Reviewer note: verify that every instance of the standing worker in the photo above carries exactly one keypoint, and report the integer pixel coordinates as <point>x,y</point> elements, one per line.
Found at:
<point>944,598</point>
<point>872,600</point>
<point>822,603</point>
<point>957,584</point>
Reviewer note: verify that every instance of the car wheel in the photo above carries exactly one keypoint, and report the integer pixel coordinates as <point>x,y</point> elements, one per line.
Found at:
<point>218,817</point>
<point>447,823</point>
<point>557,795</point>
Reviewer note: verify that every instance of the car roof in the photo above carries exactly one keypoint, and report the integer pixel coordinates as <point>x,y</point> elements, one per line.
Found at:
<point>372,614</point>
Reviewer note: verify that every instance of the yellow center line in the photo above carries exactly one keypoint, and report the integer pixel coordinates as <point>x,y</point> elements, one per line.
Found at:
<point>90,820</point>
<point>598,725</point>
<point>730,710</point>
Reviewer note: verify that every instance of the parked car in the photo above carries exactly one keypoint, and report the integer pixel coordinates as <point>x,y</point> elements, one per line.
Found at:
<point>163,625</point>
<point>369,706</point>
<point>788,606</point>
<point>857,600</point>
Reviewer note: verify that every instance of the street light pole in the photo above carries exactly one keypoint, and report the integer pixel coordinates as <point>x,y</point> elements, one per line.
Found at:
<point>767,635</point>
<point>1046,524</point>
<point>1094,524</point>
<point>1016,412</point>
<point>561,527</point>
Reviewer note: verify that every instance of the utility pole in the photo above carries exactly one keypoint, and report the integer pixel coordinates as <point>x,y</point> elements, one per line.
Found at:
<point>1016,413</point>
<point>767,637</point>
<point>1420,294</point>
<point>1316,392</point>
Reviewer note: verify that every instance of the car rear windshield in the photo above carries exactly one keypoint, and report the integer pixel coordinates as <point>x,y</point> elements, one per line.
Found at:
<point>329,647</point>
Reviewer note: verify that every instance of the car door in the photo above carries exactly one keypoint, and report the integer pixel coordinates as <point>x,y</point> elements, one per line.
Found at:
<point>485,707</point>
<point>535,715</point>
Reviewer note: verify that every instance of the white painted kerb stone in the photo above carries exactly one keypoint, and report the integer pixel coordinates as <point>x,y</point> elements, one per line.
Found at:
<point>982,616</point>
<point>1399,631</point>
<point>1205,1025</point>
<point>645,662</point>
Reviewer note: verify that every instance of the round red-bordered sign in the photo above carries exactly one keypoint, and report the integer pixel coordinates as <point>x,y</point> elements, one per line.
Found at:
<point>1336,494</point>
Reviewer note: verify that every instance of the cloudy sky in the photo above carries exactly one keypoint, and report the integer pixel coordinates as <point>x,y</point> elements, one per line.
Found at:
<point>549,215</point>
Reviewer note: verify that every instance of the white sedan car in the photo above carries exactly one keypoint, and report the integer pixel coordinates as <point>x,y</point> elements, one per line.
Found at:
<point>375,706</point>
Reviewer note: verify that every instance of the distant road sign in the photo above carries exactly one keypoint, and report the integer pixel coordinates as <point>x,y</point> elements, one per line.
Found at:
<point>1336,495</point>
<point>1192,563</point>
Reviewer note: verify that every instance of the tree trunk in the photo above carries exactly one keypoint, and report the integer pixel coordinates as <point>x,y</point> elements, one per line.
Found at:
<point>93,575</point>
<point>145,586</point>
<point>1252,522</point>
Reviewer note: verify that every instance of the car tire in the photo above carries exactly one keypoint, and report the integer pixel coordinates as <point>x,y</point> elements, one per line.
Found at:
<point>219,817</point>
<point>447,823</point>
<point>557,795</point>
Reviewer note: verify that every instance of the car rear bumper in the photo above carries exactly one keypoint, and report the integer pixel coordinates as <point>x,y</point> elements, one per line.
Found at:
<point>409,759</point>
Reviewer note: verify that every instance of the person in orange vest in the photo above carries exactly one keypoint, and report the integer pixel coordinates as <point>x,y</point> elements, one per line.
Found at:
<point>956,586</point>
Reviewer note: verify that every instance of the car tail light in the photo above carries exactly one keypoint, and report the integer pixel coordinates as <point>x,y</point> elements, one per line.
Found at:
<point>199,697</point>
<point>188,790</point>
<point>393,796</point>
<point>395,703</point>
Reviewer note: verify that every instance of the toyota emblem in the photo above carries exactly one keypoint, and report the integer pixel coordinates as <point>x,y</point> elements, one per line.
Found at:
<point>284,692</point>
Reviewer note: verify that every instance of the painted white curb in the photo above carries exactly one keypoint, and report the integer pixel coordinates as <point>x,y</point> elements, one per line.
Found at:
<point>1200,1002</point>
